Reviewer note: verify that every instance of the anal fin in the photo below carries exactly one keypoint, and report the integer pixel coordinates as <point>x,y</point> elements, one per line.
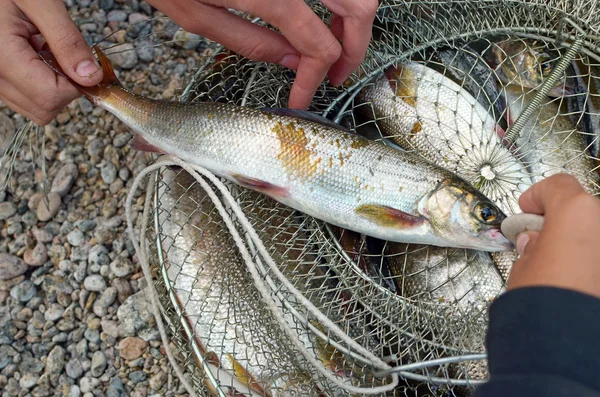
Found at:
<point>388,216</point>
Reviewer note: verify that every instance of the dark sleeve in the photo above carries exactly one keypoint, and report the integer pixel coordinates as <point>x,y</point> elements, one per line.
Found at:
<point>543,341</point>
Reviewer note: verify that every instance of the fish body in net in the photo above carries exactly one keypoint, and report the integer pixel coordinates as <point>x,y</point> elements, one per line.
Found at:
<point>423,111</point>
<point>549,143</point>
<point>585,104</point>
<point>527,63</point>
<point>468,69</point>
<point>244,346</point>
<point>315,167</point>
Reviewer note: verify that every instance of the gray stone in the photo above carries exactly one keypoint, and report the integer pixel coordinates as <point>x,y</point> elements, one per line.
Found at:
<point>24,291</point>
<point>110,327</point>
<point>54,312</point>
<point>64,179</point>
<point>84,104</point>
<point>74,391</point>
<point>86,384</point>
<point>98,255</point>
<point>81,349</point>
<point>126,57</point>
<point>7,209</point>
<point>30,218</point>
<point>145,50</point>
<point>36,256</point>
<point>28,380</point>
<point>42,235</point>
<point>107,5</point>
<point>116,16</point>
<point>187,40</point>
<point>31,364</point>
<point>92,335</point>
<point>116,388</point>
<point>95,147</point>
<point>108,297</point>
<point>138,25</point>
<point>55,362</point>
<point>75,238</point>
<point>121,267</point>
<point>135,314</point>
<point>95,282</point>
<point>157,381</point>
<point>86,225</point>
<point>108,172</point>
<point>98,364</point>
<point>45,213</point>
<point>124,174</point>
<point>13,387</point>
<point>7,131</point>
<point>15,228</point>
<point>11,266</point>
<point>74,369</point>
<point>137,376</point>
<point>121,139</point>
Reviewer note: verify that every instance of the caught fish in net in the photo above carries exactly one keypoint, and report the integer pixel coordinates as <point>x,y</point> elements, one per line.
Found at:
<point>470,103</point>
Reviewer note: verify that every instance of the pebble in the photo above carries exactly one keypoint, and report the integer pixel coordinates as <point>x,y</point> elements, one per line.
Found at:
<point>121,267</point>
<point>75,238</point>
<point>186,40</point>
<point>54,312</point>
<point>36,256</point>
<point>108,297</point>
<point>137,376</point>
<point>7,209</point>
<point>31,364</point>
<point>74,391</point>
<point>125,58</point>
<point>15,228</point>
<point>74,369</point>
<point>98,256</point>
<point>132,347</point>
<point>121,139</point>
<point>108,172</point>
<point>55,362</point>
<point>45,213</point>
<point>28,380</point>
<point>11,266</point>
<point>64,179</point>
<point>107,5</point>
<point>92,335</point>
<point>98,364</point>
<point>24,291</point>
<point>42,235</point>
<point>7,131</point>
<point>124,174</point>
<point>95,282</point>
<point>123,289</point>
<point>157,381</point>
<point>116,16</point>
<point>116,388</point>
<point>86,225</point>
<point>95,147</point>
<point>135,314</point>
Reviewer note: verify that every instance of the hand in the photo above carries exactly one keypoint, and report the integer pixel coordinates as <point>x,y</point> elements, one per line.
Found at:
<point>564,253</point>
<point>305,44</point>
<point>27,85</point>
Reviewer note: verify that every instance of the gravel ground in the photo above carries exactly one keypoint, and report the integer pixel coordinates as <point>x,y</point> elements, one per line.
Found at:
<point>74,316</point>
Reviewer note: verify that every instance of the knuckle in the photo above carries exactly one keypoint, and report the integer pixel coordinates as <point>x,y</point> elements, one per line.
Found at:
<point>331,51</point>
<point>366,9</point>
<point>70,43</point>
<point>50,104</point>
<point>254,49</point>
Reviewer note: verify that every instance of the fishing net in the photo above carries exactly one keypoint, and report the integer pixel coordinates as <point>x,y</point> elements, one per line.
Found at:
<point>264,300</point>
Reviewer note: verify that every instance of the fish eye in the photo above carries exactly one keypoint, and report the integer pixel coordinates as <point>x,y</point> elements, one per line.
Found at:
<point>486,212</point>
<point>545,64</point>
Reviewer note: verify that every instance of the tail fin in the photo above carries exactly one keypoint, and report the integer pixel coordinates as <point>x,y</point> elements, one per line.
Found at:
<point>94,93</point>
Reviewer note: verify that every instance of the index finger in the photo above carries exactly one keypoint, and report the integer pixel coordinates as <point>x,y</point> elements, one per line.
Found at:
<point>549,194</point>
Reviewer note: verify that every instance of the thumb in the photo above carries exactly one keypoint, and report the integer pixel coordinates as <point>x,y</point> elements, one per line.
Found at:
<point>526,241</point>
<point>64,39</point>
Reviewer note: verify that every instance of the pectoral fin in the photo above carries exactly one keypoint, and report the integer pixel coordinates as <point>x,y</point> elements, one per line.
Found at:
<point>244,376</point>
<point>139,143</point>
<point>388,217</point>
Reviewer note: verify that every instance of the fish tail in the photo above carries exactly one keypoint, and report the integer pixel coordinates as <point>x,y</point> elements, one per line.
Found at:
<point>94,93</point>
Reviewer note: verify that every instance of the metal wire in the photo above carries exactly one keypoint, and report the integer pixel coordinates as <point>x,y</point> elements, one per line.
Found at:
<point>422,308</point>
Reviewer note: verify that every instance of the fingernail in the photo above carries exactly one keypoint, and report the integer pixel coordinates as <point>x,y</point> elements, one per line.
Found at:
<point>522,240</point>
<point>87,68</point>
<point>290,61</point>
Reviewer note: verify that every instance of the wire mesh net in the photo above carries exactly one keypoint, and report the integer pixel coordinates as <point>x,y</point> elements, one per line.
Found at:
<point>501,93</point>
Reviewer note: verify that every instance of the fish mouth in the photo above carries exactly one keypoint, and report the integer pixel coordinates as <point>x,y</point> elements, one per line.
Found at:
<point>498,241</point>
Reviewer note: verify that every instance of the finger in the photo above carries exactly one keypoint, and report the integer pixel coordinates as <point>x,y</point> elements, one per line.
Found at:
<point>243,37</point>
<point>17,108</point>
<point>526,243</point>
<point>358,22</point>
<point>549,194</point>
<point>523,241</point>
<point>65,40</point>
<point>24,105</point>
<point>306,32</point>
<point>337,27</point>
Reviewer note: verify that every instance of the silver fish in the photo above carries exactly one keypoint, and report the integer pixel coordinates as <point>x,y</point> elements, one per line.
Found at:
<point>549,143</point>
<point>314,166</point>
<point>425,112</point>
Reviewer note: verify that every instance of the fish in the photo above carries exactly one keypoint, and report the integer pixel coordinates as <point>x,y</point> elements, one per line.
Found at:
<point>584,105</point>
<point>468,69</point>
<point>430,115</point>
<point>241,341</point>
<point>549,143</point>
<point>527,63</point>
<point>312,165</point>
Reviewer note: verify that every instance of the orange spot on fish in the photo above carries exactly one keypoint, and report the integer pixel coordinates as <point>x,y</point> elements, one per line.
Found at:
<point>294,153</point>
<point>403,83</point>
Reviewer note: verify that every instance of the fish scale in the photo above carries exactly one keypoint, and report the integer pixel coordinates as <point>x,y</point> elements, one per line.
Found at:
<point>312,165</point>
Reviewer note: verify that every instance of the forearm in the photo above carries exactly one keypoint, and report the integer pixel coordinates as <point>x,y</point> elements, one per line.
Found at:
<point>543,342</point>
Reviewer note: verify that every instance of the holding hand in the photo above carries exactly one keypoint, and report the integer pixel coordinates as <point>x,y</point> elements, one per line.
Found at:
<point>565,253</point>
<point>27,85</point>
<point>305,42</point>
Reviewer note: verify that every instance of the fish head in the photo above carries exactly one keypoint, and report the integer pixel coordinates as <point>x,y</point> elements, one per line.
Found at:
<point>528,63</point>
<point>459,212</point>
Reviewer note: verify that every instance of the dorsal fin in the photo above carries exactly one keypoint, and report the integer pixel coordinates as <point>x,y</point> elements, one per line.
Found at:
<point>305,115</point>
<point>109,77</point>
